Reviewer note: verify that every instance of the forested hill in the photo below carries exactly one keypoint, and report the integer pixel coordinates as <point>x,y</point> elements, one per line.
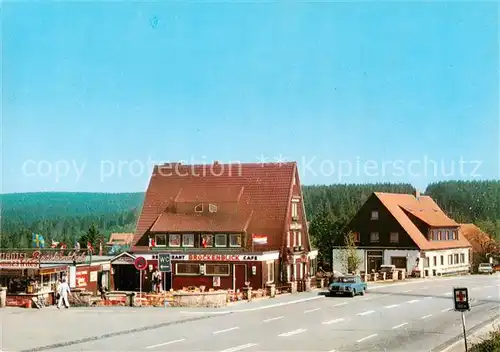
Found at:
<point>65,216</point>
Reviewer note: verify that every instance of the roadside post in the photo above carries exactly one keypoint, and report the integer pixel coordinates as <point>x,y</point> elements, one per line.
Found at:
<point>165,264</point>
<point>461,300</point>
<point>140,264</point>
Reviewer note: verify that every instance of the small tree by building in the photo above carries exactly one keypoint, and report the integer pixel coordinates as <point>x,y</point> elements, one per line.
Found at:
<point>348,256</point>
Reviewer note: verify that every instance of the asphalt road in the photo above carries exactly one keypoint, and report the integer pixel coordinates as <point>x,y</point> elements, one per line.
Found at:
<point>412,316</point>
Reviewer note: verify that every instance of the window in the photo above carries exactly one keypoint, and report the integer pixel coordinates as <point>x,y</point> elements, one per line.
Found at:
<point>270,272</point>
<point>174,240</point>
<point>356,236</point>
<point>212,208</point>
<point>206,241</point>
<point>434,261</point>
<point>161,240</point>
<point>234,240</point>
<point>456,259</point>
<point>217,270</point>
<point>442,260</point>
<point>454,235</point>
<point>374,237</point>
<point>295,210</point>
<point>299,238</point>
<point>462,258</point>
<point>188,240</point>
<point>294,238</point>
<point>220,240</point>
<point>187,269</point>
<point>437,236</point>
<point>374,215</point>
<point>198,208</point>
<point>394,237</point>
<point>450,259</point>
<point>313,264</point>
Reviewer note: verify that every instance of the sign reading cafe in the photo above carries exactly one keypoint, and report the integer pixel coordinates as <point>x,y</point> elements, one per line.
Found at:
<point>33,259</point>
<point>216,257</point>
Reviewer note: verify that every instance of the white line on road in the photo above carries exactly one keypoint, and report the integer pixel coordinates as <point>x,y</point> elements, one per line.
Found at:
<point>398,326</point>
<point>447,293</point>
<point>311,310</point>
<point>486,286</point>
<point>367,299</point>
<point>392,306</point>
<point>367,312</point>
<point>413,301</point>
<point>366,338</point>
<point>426,316</point>
<point>446,310</point>
<point>294,332</point>
<point>166,343</point>
<point>239,348</point>
<point>427,297</point>
<point>340,304</point>
<point>407,291</point>
<point>226,330</point>
<point>272,319</point>
<point>333,321</point>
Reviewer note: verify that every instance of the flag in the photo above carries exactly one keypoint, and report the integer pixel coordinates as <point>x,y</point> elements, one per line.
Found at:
<point>152,243</point>
<point>41,241</point>
<point>89,247</point>
<point>77,246</point>
<point>63,245</point>
<point>34,240</point>
<point>259,239</point>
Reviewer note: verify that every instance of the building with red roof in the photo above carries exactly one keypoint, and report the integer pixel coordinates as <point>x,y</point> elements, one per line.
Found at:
<point>226,225</point>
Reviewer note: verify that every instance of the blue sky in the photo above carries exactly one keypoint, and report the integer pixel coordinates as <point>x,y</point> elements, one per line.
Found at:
<point>93,94</point>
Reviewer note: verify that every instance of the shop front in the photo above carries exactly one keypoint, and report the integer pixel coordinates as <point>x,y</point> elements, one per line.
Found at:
<point>224,271</point>
<point>33,275</point>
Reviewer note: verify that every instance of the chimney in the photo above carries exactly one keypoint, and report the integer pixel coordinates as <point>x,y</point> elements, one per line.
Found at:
<point>417,194</point>
<point>216,162</point>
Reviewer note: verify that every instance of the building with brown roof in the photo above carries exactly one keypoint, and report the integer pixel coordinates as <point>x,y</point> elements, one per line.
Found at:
<point>411,232</point>
<point>484,248</point>
<point>120,239</point>
<point>225,225</point>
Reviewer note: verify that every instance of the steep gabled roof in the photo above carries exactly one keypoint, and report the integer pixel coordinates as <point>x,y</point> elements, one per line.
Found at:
<point>480,241</point>
<point>263,189</point>
<point>426,210</point>
<point>121,238</point>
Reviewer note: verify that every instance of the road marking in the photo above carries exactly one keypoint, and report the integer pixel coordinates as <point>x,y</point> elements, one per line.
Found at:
<point>488,297</point>
<point>392,306</point>
<point>366,299</point>
<point>367,312</point>
<point>272,319</point>
<point>426,316</point>
<point>447,293</point>
<point>333,321</point>
<point>340,304</point>
<point>225,330</point>
<point>446,310</point>
<point>486,286</point>
<point>427,297</point>
<point>239,348</point>
<point>166,343</point>
<point>294,332</point>
<point>311,310</point>
<point>366,338</point>
<point>413,301</point>
<point>398,326</point>
<point>407,291</point>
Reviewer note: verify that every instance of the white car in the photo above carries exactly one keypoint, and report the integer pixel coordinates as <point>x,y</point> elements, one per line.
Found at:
<point>485,268</point>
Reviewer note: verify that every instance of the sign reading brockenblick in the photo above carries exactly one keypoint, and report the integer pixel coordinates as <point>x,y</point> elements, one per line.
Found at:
<point>32,259</point>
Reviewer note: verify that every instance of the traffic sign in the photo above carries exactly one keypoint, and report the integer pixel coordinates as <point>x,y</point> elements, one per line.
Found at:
<point>164,262</point>
<point>461,298</point>
<point>140,263</point>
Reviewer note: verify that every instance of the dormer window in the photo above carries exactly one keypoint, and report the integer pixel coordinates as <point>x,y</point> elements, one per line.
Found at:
<point>374,215</point>
<point>212,208</point>
<point>198,208</point>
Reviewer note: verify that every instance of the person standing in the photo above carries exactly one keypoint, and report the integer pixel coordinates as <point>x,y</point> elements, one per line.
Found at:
<point>64,290</point>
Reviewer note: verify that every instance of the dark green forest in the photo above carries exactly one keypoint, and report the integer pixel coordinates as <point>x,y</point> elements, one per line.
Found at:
<point>67,217</point>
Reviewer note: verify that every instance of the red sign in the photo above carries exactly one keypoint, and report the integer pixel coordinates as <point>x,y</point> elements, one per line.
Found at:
<point>33,259</point>
<point>140,263</point>
<point>82,278</point>
<point>221,257</point>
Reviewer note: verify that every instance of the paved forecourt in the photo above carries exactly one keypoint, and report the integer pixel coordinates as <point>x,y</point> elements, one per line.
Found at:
<point>407,316</point>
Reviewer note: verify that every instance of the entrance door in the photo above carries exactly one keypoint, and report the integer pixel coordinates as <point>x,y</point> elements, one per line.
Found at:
<point>167,281</point>
<point>399,262</point>
<point>374,263</point>
<point>240,275</point>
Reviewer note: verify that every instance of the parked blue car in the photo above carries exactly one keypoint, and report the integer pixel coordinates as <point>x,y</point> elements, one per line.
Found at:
<point>348,285</point>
